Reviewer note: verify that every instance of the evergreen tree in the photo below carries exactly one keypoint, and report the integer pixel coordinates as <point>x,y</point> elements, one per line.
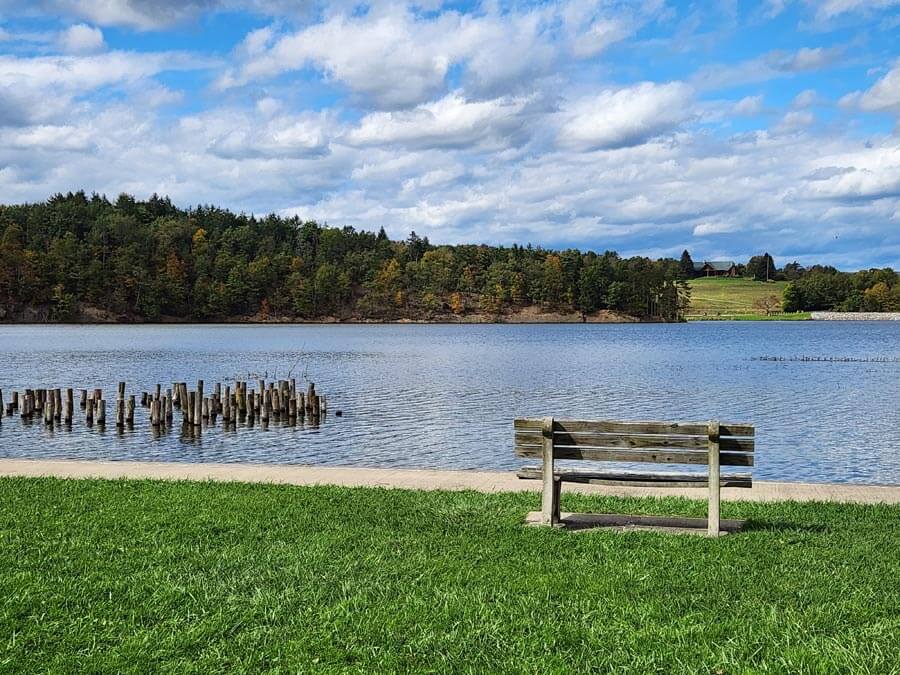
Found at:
<point>687,265</point>
<point>762,267</point>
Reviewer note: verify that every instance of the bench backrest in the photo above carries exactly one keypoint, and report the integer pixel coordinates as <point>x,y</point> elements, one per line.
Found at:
<point>657,442</point>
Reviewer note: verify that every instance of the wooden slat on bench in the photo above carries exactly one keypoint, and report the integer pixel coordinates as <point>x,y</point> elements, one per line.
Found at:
<point>743,480</point>
<point>632,441</point>
<point>616,455</point>
<point>639,427</point>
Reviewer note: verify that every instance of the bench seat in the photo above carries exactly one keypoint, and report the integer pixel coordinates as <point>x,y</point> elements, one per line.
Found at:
<point>634,479</point>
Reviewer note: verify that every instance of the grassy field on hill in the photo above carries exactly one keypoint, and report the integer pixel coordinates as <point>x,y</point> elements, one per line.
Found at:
<point>726,298</point>
<point>146,576</point>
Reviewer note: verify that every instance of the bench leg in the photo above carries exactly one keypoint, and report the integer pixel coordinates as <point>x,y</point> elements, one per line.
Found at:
<point>712,514</point>
<point>549,480</point>
<point>549,498</point>
<point>557,488</point>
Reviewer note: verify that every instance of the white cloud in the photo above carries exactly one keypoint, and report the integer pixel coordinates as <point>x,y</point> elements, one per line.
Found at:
<point>873,173</point>
<point>449,122</point>
<point>151,14</point>
<point>805,99</point>
<point>84,73</point>
<point>48,137</point>
<point>885,94</point>
<point>624,117</point>
<point>512,123</point>
<point>804,59</point>
<point>385,57</point>
<point>396,58</point>
<point>828,9</point>
<point>769,66</point>
<point>600,35</point>
<point>749,106</point>
<point>81,39</point>
<point>235,135</point>
<point>795,120</point>
<point>706,229</point>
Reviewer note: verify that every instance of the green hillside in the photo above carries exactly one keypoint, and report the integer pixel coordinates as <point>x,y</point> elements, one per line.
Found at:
<point>731,298</point>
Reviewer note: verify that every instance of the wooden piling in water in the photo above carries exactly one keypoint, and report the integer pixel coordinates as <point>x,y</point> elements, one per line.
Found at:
<point>266,406</point>
<point>101,412</point>
<point>83,401</point>
<point>70,406</point>
<point>198,407</point>
<point>129,411</point>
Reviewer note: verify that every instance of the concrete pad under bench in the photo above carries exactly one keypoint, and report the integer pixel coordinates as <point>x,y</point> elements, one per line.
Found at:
<point>621,522</point>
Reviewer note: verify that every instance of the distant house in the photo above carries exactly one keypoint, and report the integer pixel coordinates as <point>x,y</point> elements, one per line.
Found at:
<point>716,268</point>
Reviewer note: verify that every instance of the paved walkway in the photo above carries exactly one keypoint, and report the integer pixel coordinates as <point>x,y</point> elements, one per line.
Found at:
<point>419,479</point>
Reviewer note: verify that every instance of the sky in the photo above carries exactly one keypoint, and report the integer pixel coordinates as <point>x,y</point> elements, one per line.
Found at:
<point>646,127</point>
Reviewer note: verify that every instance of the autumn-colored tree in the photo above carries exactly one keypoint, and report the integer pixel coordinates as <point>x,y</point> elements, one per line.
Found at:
<point>457,303</point>
<point>768,304</point>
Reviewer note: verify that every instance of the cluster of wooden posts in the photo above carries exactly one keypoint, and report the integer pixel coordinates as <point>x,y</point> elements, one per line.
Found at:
<point>277,401</point>
<point>831,359</point>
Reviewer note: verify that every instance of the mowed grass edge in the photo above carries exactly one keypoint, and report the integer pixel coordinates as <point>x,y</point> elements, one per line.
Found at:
<point>721,297</point>
<point>138,576</point>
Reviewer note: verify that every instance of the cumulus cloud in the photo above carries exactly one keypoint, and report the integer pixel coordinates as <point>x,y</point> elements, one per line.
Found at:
<point>510,123</point>
<point>805,99</point>
<point>236,135</point>
<point>769,66</point>
<point>384,57</point>
<point>795,120</point>
<point>449,122</point>
<point>829,9</point>
<point>749,106</point>
<point>885,94</point>
<point>625,117</point>
<point>48,137</point>
<point>706,229</point>
<point>81,39</point>
<point>807,58</point>
<point>149,14</point>
<point>396,58</point>
<point>79,73</point>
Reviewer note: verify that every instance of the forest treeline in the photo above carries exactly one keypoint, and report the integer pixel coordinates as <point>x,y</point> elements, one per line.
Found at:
<point>148,260</point>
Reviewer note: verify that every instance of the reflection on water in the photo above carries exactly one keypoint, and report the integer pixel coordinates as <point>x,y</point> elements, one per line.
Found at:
<point>445,396</point>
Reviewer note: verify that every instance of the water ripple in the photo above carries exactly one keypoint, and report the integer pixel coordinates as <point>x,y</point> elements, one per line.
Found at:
<point>445,396</point>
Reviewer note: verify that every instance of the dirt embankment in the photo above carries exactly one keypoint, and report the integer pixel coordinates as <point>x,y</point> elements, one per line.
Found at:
<point>87,314</point>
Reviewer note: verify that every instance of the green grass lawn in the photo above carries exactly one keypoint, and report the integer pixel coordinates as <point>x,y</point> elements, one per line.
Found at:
<point>144,576</point>
<point>732,298</point>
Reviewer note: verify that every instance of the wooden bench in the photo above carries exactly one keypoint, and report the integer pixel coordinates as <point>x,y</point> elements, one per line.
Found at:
<point>712,443</point>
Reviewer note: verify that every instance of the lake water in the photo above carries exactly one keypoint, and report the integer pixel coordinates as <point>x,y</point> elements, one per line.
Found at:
<point>441,396</point>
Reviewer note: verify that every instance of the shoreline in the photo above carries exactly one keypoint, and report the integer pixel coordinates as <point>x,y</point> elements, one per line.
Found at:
<point>522,315</point>
<point>425,479</point>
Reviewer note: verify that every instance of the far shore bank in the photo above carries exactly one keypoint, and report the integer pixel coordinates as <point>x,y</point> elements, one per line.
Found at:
<point>523,315</point>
